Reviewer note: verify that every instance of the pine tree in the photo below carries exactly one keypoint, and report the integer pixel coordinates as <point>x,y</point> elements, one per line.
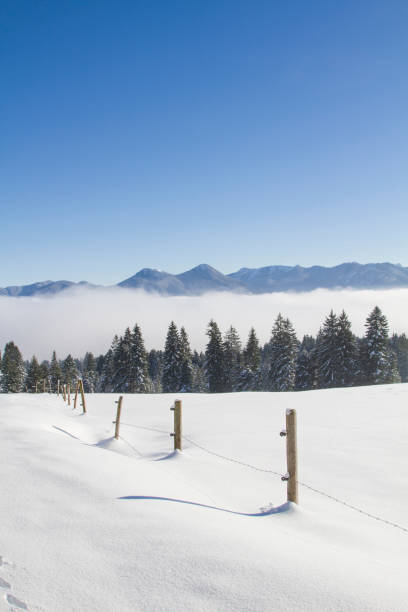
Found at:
<point>55,372</point>
<point>214,359</point>
<point>139,377</point>
<point>12,368</point>
<point>327,353</point>
<point>399,345</point>
<point>306,365</point>
<point>186,379</point>
<point>284,349</point>
<point>232,359</point>
<point>69,371</point>
<point>172,361</point>
<point>199,384</point>
<point>106,379</point>
<point>378,361</point>
<point>347,353</point>
<point>122,364</point>
<point>249,378</point>
<point>34,376</point>
<point>89,374</point>
<point>155,361</point>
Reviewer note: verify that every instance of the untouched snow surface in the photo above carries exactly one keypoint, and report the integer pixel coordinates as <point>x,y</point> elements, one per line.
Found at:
<point>89,523</point>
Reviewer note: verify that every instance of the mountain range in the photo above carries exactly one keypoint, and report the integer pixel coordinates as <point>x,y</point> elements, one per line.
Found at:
<point>269,279</point>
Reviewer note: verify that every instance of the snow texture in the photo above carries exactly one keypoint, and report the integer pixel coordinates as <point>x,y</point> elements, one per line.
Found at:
<point>97,524</point>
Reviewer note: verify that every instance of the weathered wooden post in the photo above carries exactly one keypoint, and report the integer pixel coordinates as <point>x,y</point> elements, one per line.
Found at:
<point>76,394</point>
<point>81,388</point>
<point>44,385</point>
<point>69,394</point>
<point>64,392</point>
<point>118,411</point>
<point>36,386</point>
<point>58,387</point>
<point>177,424</point>
<point>291,456</point>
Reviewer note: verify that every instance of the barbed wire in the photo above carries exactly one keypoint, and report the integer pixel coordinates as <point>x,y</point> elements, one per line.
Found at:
<point>248,465</point>
<point>131,446</point>
<point>344,503</point>
<point>142,427</point>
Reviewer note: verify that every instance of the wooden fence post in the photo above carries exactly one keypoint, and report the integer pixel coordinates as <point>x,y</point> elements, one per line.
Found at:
<point>118,411</point>
<point>44,385</point>
<point>69,394</point>
<point>58,388</point>
<point>81,388</point>
<point>177,424</point>
<point>76,394</point>
<point>291,456</point>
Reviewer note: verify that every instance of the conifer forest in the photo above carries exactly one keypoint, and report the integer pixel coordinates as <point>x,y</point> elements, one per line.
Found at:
<point>334,358</point>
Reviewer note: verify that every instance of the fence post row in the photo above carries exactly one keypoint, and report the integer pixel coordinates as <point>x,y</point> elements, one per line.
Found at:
<point>291,456</point>
<point>118,411</point>
<point>177,424</point>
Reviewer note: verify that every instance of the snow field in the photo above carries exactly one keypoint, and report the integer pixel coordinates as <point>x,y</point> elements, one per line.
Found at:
<point>91,523</point>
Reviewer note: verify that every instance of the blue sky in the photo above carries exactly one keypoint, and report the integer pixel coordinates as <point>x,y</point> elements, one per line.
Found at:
<point>165,134</point>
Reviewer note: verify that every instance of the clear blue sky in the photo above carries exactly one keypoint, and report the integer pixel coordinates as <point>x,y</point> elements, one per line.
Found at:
<point>164,134</point>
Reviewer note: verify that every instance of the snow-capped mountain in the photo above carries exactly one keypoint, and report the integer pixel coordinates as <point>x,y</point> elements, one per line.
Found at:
<point>269,279</point>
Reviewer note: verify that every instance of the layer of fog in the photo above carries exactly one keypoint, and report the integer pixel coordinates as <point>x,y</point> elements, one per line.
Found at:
<point>77,321</point>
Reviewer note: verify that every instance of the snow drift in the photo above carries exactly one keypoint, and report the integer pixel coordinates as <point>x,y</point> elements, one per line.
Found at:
<point>91,523</point>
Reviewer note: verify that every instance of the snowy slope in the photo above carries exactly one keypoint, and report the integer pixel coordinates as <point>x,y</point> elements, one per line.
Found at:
<point>91,523</point>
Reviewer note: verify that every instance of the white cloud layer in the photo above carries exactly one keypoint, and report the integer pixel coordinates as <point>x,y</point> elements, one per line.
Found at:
<point>81,319</point>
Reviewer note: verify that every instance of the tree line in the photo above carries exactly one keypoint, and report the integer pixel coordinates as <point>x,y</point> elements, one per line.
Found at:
<point>334,358</point>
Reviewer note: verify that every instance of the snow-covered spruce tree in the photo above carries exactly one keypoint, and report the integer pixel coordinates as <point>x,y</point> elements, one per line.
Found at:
<point>172,361</point>
<point>232,359</point>
<point>214,359</point>
<point>89,374</point>
<point>186,379</point>
<point>249,378</point>
<point>34,376</point>
<point>139,379</point>
<point>347,360</point>
<point>45,374</point>
<point>70,372</point>
<point>12,368</point>
<point>122,363</point>
<point>155,360</point>
<point>106,379</point>
<point>306,365</point>
<point>55,372</point>
<point>284,349</point>
<point>200,384</point>
<point>327,353</point>
<point>399,344</point>
<point>378,361</point>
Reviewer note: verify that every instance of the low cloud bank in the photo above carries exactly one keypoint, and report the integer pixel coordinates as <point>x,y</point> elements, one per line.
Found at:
<point>81,320</point>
